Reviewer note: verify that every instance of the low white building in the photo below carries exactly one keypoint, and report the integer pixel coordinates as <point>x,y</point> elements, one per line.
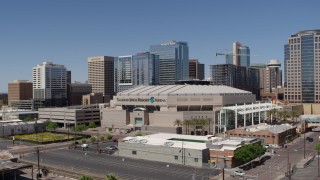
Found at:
<point>170,148</point>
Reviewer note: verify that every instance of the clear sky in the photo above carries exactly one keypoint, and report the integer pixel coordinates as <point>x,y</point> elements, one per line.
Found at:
<point>68,31</point>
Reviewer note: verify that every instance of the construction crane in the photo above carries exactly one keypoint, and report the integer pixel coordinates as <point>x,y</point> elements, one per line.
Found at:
<point>227,54</point>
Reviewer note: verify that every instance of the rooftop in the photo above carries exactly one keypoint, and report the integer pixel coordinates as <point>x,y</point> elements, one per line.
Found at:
<point>173,140</point>
<point>271,128</point>
<point>178,90</point>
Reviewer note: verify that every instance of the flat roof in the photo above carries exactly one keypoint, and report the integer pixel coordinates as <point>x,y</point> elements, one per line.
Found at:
<point>264,126</point>
<point>176,90</point>
<point>173,140</point>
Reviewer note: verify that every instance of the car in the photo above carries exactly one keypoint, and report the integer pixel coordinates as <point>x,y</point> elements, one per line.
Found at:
<point>237,173</point>
<point>84,145</point>
<point>112,147</point>
<point>267,146</point>
<point>310,139</point>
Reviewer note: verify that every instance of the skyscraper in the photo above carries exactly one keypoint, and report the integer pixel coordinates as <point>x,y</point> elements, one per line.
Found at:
<point>101,75</point>
<point>196,70</point>
<point>173,61</point>
<point>302,67</point>
<point>236,76</point>
<point>240,55</point>
<point>50,84</point>
<point>135,70</point>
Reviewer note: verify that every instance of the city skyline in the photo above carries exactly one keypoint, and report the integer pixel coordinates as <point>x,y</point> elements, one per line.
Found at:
<point>69,32</point>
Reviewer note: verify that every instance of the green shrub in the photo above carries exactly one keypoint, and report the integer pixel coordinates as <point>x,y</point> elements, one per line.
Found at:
<point>83,140</point>
<point>93,139</point>
<point>101,138</point>
<point>109,136</point>
<point>110,129</point>
<point>138,134</point>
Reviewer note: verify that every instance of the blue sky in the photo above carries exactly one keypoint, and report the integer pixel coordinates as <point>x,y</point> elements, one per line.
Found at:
<point>68,31</point>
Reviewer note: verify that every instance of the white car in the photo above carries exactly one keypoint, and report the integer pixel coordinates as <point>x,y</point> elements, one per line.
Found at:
<point>237,173</point>
<point>84,145</point>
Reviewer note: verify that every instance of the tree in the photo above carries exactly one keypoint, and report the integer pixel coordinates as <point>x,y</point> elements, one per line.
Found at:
<point>83,140</point>
<point>81,127</point>
<point>249,152</point>
<point>186,123</point>
<point>283,115</point>
<point>177,122</point>
<point>92,124</point>
<point>109,136</point>
<point>86,177</point>
<point>111,176</point>
<point>273,113</point>
<point>294,115</point>
<point>209,120</point>
<point>28,119</point>
<point>52,125</point>
<point>93,139</point>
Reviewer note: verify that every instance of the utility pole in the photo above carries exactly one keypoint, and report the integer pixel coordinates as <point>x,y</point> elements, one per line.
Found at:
<point>304,144</point>
<point>38,154</point>
<point>318,164</point>
<point>98,151</point>
<point>289,166</point>
<point>223,173</point>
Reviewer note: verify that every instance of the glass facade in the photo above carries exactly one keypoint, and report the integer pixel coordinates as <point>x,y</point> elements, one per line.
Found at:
<point>132,71</point>
<point>244,60</point>
<point>173,61</point>
<point>302,67</point>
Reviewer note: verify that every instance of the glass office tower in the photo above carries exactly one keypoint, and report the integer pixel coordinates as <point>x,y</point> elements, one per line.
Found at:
<point>173,61</point>
<point>135,70</point>
<point>301,66</point>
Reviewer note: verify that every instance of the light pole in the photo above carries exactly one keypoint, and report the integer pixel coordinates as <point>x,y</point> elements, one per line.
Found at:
<point>38,154</point>
<point>304,145</point>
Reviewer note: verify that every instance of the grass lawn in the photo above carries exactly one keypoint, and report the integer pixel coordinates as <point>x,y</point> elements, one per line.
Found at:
<point>43,137</point>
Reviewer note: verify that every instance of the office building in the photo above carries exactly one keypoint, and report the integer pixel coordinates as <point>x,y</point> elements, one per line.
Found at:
<point>69,80</point>
<point>50,84</point>
<point>92,98</point>
<point>135,70</point>
<point>72,115</point>
<point>196,70</point>
<point>236,76</point>
<point>101,75</point>
<point>76,91</point>
<point>240,55</point>
<point>270,78</point>
<point>173,61</point>
<point>4,98</point>
<point>19,90</point>
<point>302,67</point>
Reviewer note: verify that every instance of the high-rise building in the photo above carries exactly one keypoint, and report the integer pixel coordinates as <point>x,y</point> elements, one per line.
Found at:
<point>240,55</point>
<point>302,67</point>
<point>4,98</point>
<point>76,91</point>
<point>236,76</point>
<point>196,70</point>
<point>101,75</point>
<point>19,90</point>
<point>270,77</point>
<point>50,84</point>
<point>173,61</point>
<point>69,79</point>
<point>135,70</point>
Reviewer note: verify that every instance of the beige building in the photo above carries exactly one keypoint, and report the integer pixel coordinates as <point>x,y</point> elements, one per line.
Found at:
<point>101,75</point>
<point>155,108</point>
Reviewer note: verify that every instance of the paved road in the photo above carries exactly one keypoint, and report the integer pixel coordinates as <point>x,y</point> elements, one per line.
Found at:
<point>125,168</point>
<point>278,164</point>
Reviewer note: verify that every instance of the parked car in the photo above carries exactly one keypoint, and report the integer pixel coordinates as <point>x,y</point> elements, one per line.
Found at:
<point>237,173</point>
<point>84,145</point>
<point>310,139</point>
<point>112,147</point>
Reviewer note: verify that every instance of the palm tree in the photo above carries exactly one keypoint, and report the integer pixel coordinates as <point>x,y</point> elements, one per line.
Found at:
<point>186,123</point>
<point>110,176</point>
<point>294,115</point>
<point>177,122</point>
<point>273,113</point>
<point>209,120</point>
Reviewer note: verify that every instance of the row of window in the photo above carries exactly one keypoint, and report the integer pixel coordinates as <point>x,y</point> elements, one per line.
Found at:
<point>253,135</point>
<point>175,157</point>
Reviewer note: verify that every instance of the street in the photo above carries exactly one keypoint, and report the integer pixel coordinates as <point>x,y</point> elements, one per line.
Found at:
<point>88,162</point>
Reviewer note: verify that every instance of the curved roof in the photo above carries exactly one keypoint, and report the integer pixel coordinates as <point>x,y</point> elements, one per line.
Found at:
<point>176,90</point>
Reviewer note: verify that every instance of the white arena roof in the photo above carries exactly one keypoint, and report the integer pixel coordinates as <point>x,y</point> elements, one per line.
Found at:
<point>176,90</point>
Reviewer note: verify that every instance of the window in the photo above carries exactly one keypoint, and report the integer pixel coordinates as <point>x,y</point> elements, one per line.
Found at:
<point>134,152</point>
<point>195,159</point>
<point>176,157</point>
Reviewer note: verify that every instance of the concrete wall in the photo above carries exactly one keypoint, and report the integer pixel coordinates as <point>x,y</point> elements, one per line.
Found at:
<point>164,154</point>
<point>9,129</point>
<point>311,108</point>
<point>115,118</point>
